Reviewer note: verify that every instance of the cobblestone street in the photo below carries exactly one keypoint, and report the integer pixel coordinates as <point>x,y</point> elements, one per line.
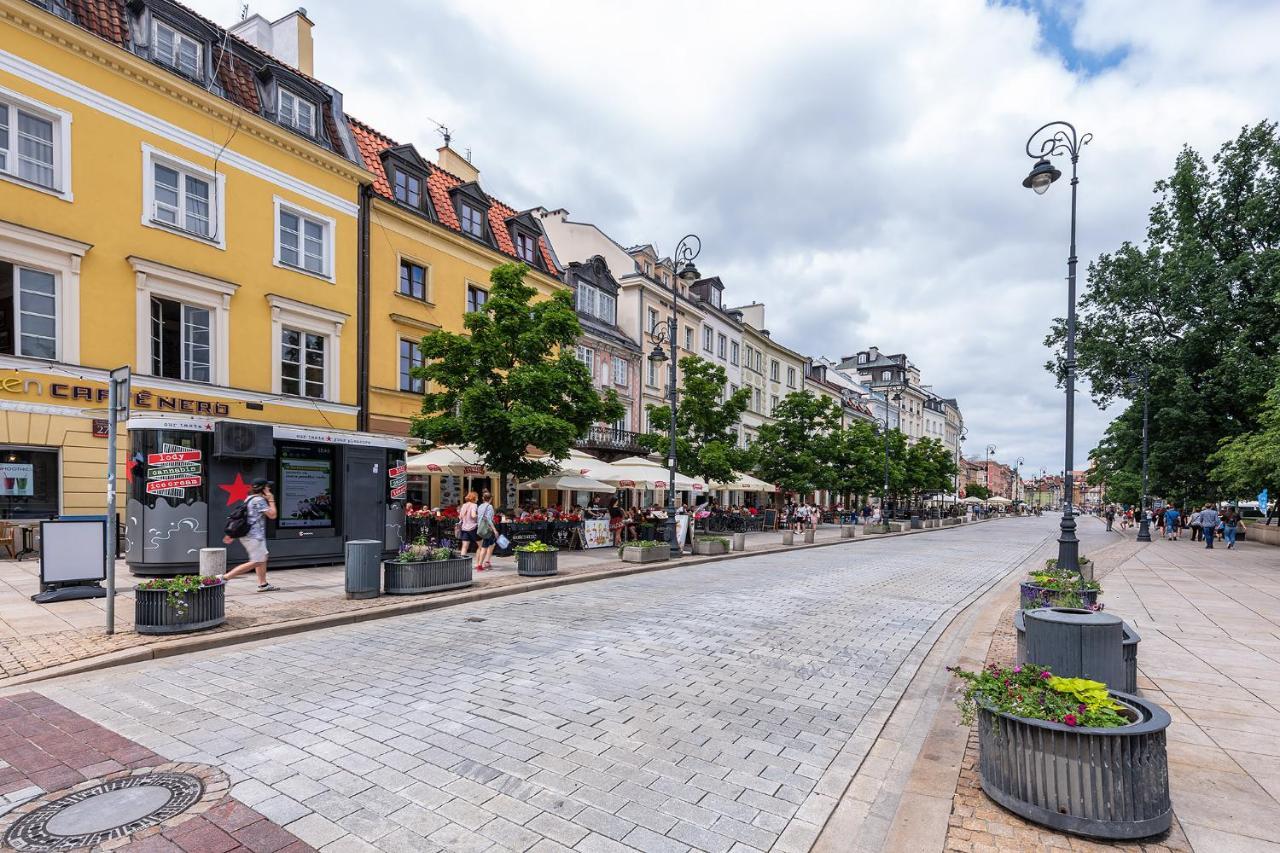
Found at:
<point>717,707</point>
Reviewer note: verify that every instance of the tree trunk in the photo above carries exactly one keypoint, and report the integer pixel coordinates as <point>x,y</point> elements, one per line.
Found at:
<point>502,491</point>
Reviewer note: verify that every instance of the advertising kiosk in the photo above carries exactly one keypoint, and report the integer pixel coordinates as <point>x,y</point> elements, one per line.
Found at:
<point>185,475</point>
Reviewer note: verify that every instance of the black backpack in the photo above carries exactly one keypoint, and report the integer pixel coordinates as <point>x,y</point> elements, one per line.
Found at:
<point>238,521</point>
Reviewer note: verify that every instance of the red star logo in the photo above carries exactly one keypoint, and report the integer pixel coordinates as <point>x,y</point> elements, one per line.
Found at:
<point>237,491</point>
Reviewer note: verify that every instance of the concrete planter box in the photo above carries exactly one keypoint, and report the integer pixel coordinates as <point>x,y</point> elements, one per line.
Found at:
<point>536,564</point>
<point>848,531</point>
<point>1128,650</point>
<point>871,528</point>
<point>428,576</point>
<point>646,555</point>
<point>204,608</point>
<point>1033,596</point>
<point>710,547</point>
<point>808,537</point>
<point>739,542</point>
<point>789,538</point>
<point>1101,783</point>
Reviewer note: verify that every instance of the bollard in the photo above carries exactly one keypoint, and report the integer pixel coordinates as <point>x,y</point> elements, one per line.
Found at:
<point>738,542</point>
<point>789,538</point>
<point>916,522</point>
<point>213,561</point>
<point>808,537</point>
<point>848,531</point>
<point>363,568</point>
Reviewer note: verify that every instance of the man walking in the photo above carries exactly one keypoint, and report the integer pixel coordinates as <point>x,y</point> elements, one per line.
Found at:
<point>260,505</point>
<point>1171,523</point>
<point>1110,515</point>
<point>1208,524</point>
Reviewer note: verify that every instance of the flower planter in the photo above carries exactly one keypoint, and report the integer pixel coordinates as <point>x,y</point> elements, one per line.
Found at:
<point>646,555</point>
<point>1129,649</point>
<point>427,576</point>
<point>1101,783</point>
<point>1033,595</point>
<point>536,564</point>
<point>710,547</point>
<point>204,608</point>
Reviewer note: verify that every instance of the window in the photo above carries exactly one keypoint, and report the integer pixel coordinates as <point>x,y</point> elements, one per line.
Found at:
<point>176,49</point>
<point>773,369</point>
<point>758,395</point>
<point>471,220</point>
<point>302,364</point>
<point>733,389</point>
<point>587,356</point>
<point>410,357</point>
<point>733,352</point>
<point>34,142</point>
<point>653,319</point>
<point>620,371</point>
<point>596,303</point>
<point>304,241</point>
<point>28,312</point>
<point>653,372</point>
<point>773,403</point>
<point>408,189</point>
<point>706,338</point>
<point>623,424</point>
<point>525,248</point>
<point>606,308</point>
<point>413,280</point>
<point>296,112</point>
<point>180,340</point>
<point>885,376</point>
<point>688,338</point>
<point>180,200</point>
<point>862,358</point>
<point>29,482</point>
<point>722,344</point>
<point>476,298</point>
<point>791,377</point>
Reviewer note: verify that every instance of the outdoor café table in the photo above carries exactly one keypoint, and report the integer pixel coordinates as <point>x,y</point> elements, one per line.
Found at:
<point>28,529</point>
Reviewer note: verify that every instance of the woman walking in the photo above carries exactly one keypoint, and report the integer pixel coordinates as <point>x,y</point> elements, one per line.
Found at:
<point>1230,523</point>
<point>486,532</point>
<point>615,521</point>
<point>467,523</point>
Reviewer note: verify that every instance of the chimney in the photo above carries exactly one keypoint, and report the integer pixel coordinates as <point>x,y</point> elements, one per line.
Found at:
<point>288,39</point>
<point>452,161</point>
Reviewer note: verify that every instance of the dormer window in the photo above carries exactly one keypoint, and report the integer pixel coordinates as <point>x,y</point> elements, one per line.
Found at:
<point>408,189</point>
<point>471,220</point>
<point>526,248</point>
<point>296,112</point>
<point>173,47</point>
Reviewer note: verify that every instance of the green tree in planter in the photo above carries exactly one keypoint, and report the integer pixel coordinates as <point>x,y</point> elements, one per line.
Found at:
<point>513,382</point>
<point>795,451</point>
<point>706,424</point>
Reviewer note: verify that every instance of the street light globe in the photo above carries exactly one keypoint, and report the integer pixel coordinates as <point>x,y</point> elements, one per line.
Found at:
<point>1042,174</point>
<point>658,355</point>
<point>690,273</point>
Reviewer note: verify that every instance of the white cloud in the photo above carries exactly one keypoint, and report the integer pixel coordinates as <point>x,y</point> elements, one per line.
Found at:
<point>856,166</point>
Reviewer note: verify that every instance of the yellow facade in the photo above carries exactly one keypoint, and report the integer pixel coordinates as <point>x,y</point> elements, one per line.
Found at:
<point>116,115</point>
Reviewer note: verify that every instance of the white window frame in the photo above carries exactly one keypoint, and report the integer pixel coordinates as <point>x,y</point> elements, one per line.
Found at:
<point>318,321</point>
<point>722,346</point>
<point>281,91</point>
<point>217,196</point>
<point>708,339</point>
<point>330,229</point>
<point>652,376</point>
<point>653,318</point>
<point>791,377</point>
<point>587,356</point>
<point>621,372</point>
<point>773,370</point>
<point>61,120</point>
<point>734,352</point>
<point>36,250</point>
<point>199,291</point>
<point>609,315</point>
<point>688,338</point>
<point>179,36</point>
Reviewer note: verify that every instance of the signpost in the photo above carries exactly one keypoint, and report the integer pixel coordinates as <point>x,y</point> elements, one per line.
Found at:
<point>117,413</point>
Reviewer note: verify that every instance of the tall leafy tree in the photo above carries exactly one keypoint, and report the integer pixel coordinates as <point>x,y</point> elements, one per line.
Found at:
<point>795,450</point>
<point>1248,463</point>
<point>706,423</point>
<point>857,459</point>
<point>1196,302</point>
<point>512,382</point>
<point>929,468</point>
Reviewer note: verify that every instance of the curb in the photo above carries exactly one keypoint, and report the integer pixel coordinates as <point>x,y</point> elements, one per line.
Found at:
<point>238,636</point>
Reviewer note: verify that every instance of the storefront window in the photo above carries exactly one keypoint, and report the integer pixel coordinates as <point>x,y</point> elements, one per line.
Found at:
<point>169,464</point>
<point>306,486</point>
<point>28,483</point>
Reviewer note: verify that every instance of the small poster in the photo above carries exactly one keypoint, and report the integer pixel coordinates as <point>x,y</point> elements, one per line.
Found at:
<point>174,470</point>
<point>17,479</point>
<point>399,478</point>
<point>595,533</point>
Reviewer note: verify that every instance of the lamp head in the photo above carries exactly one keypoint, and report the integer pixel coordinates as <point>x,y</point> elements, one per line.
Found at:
<point>1042,174</point>
<point>689,273</point>
<point>658,355</point>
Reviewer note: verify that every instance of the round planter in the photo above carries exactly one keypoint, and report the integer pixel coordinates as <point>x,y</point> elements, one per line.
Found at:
<point>1129,650</point>
<point>429,576</point>
<point>536,564</point>
<point>1101,783</point>
<point>204,608</point>
<point>1033,596</point>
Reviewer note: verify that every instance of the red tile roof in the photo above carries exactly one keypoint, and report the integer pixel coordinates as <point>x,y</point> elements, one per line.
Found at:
<point>439,183</point>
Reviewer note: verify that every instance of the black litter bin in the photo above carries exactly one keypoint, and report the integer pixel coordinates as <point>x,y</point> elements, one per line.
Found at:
<point>364,568</point>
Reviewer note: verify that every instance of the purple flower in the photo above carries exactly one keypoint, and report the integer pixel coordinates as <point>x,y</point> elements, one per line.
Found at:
<point>1017,670</point>
<point>1046,675</point>
<point>1082,707</point>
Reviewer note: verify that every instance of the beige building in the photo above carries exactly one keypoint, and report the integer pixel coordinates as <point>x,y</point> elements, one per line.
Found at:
<point>771,370</point>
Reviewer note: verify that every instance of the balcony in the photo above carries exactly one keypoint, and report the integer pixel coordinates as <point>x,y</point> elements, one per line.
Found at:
<point>609,438</point>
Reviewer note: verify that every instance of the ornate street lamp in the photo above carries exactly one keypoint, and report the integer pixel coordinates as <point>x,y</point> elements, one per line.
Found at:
<point>1063,140</point>
<point>964,431</point>
<point>986,472</point>
<point>884,495</point>
<point>1017,478</point>
<point>682,263</point>
<point>1144,526</point>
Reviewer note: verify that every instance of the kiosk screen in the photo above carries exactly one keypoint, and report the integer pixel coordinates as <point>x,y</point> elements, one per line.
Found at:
<point>306,486</point>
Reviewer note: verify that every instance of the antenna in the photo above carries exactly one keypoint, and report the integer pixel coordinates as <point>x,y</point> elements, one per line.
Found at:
<point>468,154</point>
<point>244,11</point>
<point>442,130</point>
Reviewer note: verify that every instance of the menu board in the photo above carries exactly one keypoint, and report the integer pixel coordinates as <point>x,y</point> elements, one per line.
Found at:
<point>306,480</point>
<point>595,533</point>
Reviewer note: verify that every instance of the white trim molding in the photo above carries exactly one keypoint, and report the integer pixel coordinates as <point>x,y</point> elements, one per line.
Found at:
<point>60,256</point>
<point>217,196</point>
<point>156,279</point>
<point>314,319</point>
<point>329,273</point>
<point>61,143</point>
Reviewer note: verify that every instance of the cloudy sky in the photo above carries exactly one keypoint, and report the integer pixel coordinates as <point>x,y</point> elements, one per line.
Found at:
<point>854,165</point>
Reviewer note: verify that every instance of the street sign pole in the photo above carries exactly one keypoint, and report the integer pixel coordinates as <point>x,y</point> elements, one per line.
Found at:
<point>117,410</point>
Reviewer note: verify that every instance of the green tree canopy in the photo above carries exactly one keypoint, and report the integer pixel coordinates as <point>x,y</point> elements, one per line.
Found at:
<point>795,450</point>
<point>513,382</point>
<point>930,468</point>
<point>1248,463</point>
<point>977,490</point>
<point>706,424</point>
<point>857,460</point>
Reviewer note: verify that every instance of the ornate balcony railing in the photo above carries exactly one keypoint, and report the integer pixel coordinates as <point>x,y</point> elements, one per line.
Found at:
<point>609,438</point>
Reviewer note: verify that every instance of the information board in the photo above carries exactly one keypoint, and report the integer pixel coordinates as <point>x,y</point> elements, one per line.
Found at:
<point>73,550</point>
<point>595,533</point>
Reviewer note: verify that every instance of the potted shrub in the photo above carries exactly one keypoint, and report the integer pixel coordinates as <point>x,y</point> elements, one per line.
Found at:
<point>179,604</point>
<point>423,566</point>
<point>1059,589</point>
<point>645,551</point>
<point>711,546</point>
<point>1068,753</point>
<point>536,559</point>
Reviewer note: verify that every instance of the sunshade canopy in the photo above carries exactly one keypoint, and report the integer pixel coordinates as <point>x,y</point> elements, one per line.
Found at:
<point>746,483</point>
<point>568,481</point>
<point>455,461</point>
<point>636,472</point>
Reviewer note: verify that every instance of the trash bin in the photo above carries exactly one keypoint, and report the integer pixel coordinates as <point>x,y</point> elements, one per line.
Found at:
<point>364,568</point>
<point>917,523</point>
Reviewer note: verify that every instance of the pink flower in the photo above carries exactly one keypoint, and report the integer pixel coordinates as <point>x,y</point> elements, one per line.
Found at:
<point>1046,675</point>
<point>1017,670</point>
<point>1069,719</point>
<point>1082,707</point>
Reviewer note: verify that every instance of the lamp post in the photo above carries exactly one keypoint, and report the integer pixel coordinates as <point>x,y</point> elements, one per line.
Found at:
<point>986,471</point>
<point>1063,140</point>
<point>1144,526</point>
<point>1017,478</point>
<point>964,431</point>
<point>884,495</point>
<point>682,265</point>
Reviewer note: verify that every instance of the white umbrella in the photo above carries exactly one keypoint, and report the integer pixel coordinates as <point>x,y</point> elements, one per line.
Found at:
<point>567,481</point>
<point>636,472</point>
<point>454,461</point>
<point>972,500</point>
<point>747,483</point>
<point>999,500</point>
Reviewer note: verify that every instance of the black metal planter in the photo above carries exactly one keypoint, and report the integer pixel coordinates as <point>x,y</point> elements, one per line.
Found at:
<point>204,608</point>
<point>536,564</point>
<point>1129,649</point>
<point>1101,783</point>
<point>427,576</point>
<point>1033,596</point>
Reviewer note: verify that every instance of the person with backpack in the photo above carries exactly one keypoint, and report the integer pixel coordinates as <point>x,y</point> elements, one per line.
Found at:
<point>486,532</point>
<point>248,523</point>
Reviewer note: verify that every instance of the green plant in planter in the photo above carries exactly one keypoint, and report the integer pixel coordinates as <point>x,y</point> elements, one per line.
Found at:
<point>423,551</point>
<point>643,544</point>
<point>721,539</point>
<point>1035,693</point>
<point>1063,583</point>
<point>177,588</point>
<point>537,548</point>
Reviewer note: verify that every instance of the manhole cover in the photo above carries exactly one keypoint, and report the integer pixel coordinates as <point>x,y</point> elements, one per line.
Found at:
<point>102,810</point>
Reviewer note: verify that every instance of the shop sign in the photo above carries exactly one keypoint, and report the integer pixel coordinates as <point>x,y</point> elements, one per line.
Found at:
<point>100,428</point>
<point>17,479</point>
<point>174,470</point>
<point>93,394</point>
<point>399,477</point>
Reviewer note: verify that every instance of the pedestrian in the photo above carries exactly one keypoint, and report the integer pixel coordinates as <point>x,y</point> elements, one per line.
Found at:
<point>259,506</point>
<point>615,521</point>
<point>1171,523</point>
<point>467,523</point>
<point>486,533</point>
<point>1230,522</point>
<point>1197,530</point>
<point>1208,524</point>
<point>1110,516</point>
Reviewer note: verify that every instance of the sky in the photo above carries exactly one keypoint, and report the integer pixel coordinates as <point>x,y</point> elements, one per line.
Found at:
<point>856,166</point>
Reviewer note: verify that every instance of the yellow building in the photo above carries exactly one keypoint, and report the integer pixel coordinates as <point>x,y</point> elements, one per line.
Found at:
<point>175,199</point>
<point>434,237</point>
